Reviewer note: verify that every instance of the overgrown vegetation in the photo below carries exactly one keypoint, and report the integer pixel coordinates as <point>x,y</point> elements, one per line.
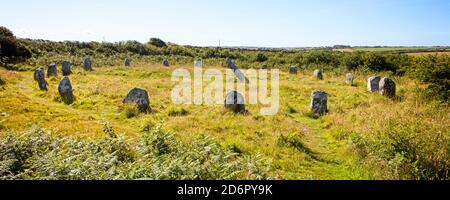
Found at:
<point>42,52</point>
<point>37,154</point>
<point>405,138</point>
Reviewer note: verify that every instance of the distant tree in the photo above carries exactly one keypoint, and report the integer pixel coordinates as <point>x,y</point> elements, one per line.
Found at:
<point>157,42</point>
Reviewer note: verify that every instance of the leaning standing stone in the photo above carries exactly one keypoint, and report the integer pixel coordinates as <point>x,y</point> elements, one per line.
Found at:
<point>387,87</point>
<point>127,61</point>
<point>66,71</point>
<point>293,70</point>
<point>318,74</point>
<point>234,101</point>
<point>166,63</point>
<point>39,76</point>
<point>52,71</point>
<point>318,102</point>
<point>373,83</point>
<point>140,98</point>
<point>88,64</point>
<point>349,78</point>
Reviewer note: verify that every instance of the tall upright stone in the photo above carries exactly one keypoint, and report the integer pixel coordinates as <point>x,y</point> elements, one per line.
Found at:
<point>318,74</point>
<point>293,70</point>
<point>373,83</point>
<point>66,70</point>
<point>127,61</point>
<point>319,102</point>
<point>387,87</point>
<point>52,70</point>
<point>87,64</point>
<point>140,98</point>
<point>234,101</point>
<point>349,78</point>
<point>39,76</point>
<point>65,90</point>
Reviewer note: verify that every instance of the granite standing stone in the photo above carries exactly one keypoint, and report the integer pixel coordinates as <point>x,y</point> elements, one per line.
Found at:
<point>52,70</point>
<point>166,63</point>
<point>140,98</point>
<point>127,61</point>
<point>66,71</point>
<point>39,76</point>
<point>318,74</point>
<point>87,64</point>
<point>65,90</point>
<point>198,63</point>
<point>349,78</point>
<point>319,102</point>
<point>237,72</point>
<point>293,70</point>
<point>387,87</point>
<point>234,101</point>
<point>373,83</point>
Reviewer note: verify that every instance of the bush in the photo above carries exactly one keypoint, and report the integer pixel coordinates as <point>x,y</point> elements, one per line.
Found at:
<point>406,152</point>
<point>130,110</point>
<point>260,57</point>
<point>435,71</point>
<point>37,154</point>
<point>157,42</point>
<point>11,50</point>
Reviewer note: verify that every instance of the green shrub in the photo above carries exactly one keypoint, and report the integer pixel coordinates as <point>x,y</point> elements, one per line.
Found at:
<point>406,152</point>
<point>37,154</point>
<point>435,71</point>
<point>130,110</point>
<point>157,42</point>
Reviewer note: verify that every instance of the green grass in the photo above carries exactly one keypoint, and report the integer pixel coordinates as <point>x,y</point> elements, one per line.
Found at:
<point>297,144</point>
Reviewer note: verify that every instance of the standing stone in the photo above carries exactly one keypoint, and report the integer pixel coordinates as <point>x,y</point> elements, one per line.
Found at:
<point>318,74</point>
<point>319,102</point>
<point>166,63</point>
<point>373,83</point>
<point>52,70</point>
<point>349,78</point>
<point>65,90</point>
<point>66,71</point>
<point>127,61</point>
<point>237,72</point>
<point>39,76</point>
<point>234,101</point>
<point>293,70</point>
<point>198,63</point>
<point>264,66</point>
<point>87,64</point>
<point>387,87</point>
<point>140,98</point>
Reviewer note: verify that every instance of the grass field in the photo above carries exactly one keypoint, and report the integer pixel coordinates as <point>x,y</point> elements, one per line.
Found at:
<point>317,148</point>
<point>407,50</point>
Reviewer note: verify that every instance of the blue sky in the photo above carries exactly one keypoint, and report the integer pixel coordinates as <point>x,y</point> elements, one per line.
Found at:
<point>271,23</point>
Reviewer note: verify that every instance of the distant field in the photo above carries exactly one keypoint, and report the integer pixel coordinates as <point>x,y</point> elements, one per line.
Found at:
<point>414,51</point>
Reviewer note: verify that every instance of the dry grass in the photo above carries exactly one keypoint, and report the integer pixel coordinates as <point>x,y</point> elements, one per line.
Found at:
<point>100,93</point>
